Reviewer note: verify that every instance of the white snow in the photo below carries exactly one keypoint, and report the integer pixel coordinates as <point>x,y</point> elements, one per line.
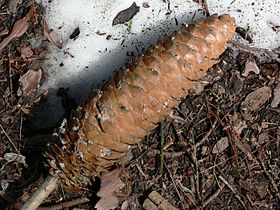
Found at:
<point>95,57</point>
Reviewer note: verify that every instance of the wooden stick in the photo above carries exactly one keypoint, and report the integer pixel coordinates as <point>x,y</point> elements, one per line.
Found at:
<point>43,192</point>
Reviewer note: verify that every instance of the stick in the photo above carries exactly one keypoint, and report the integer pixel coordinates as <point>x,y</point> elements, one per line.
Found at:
<point>43,192</point>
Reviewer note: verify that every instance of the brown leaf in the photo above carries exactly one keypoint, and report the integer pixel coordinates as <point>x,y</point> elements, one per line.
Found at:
<point>13,4</point>
<point>25,51</point>
<point>221,145</point>
<point>126,15</point>
<point>276,96</point>
<point>51,35</point>
<point>110,184</point>
<point>256,99</point>
<point>29,82</point>
<point>19,28</point>
<point>250,66</point>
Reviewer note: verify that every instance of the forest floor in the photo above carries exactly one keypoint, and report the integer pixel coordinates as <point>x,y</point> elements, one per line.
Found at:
<point>218,149</point>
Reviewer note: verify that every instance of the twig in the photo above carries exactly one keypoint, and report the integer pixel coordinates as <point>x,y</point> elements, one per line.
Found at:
<point>9,139</point>
<point>274,185</point>
<point>213,196</point>
<point>66,204</point>
<point>233,190</point>
<point>161,148</point>
<point>43,192</point>
<point>254,50</point>
<point>175,186</point>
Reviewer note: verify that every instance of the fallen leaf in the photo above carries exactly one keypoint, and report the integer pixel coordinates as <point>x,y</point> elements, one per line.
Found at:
<point>126,15</point>
<point>110,185</point>
<point>4,184</point>
<point>250,66</point>
<point>29,82</point>
<point>256,99</point>
<point>276,96</point>
<point>13,4</point>
<point>25,51</point>
<point>19,28</point>
<point>75,33</point>
<point>14,157</point>
<point>51,35</point>
<point>221,145</point>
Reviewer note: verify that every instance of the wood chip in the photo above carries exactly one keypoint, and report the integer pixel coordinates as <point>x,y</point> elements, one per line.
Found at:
<point>221,145</point>
<point>155,201</point>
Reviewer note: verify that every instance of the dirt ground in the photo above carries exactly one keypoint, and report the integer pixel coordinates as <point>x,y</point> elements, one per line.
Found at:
<point>218,149</point>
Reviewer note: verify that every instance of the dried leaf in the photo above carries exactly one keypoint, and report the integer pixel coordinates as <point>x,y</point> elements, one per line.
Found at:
<point>75,33</point>
<point>25,51</point>
<point>52,36</point>
<point>13,4</point>
<point>250,66</point>
<point>14,157</point>
<point>4,184</point>
<point>221,145</point>
<point>19,28</point>
<point>110,185</point>
<point>256,99</point>
<point>29,82</point>
<point>126,15</point>
<point>276,96</point>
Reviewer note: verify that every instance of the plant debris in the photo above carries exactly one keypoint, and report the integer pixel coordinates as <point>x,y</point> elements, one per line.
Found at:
<point>126,15</point>
<point>110,186</point>
<point>30,81</point>
<point>276,96</point>
<point>75,33</point>
<point>52,36</point>
<point>250,66</point>
<point>244,34</point>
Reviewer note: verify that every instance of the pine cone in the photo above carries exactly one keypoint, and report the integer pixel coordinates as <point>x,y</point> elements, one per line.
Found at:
<point>133,100</point>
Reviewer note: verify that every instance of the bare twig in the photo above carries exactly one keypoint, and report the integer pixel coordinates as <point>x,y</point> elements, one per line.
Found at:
<point>43,192</point>
<point>183,204</point>
<point>9,139</point>
<point>66,204</point>
<point>255,50</point>
<point>233,190</point>
<point>214,195</point>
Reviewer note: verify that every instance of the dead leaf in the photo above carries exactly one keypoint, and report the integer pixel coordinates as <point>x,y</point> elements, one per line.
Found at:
<point>276,96</point>
<point>110,185</point>
<point>13,4</point>
<point>51,35</point>
<point>29,82</point>
<point>250,66</point>
<point>14,157</point>
<point>19,28</point>
<point>4,184</point>
<point>25,51</point>
<point>75,33</point>
<point>221,145</point>
<point>126,15</point>
<point>256,99</point>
